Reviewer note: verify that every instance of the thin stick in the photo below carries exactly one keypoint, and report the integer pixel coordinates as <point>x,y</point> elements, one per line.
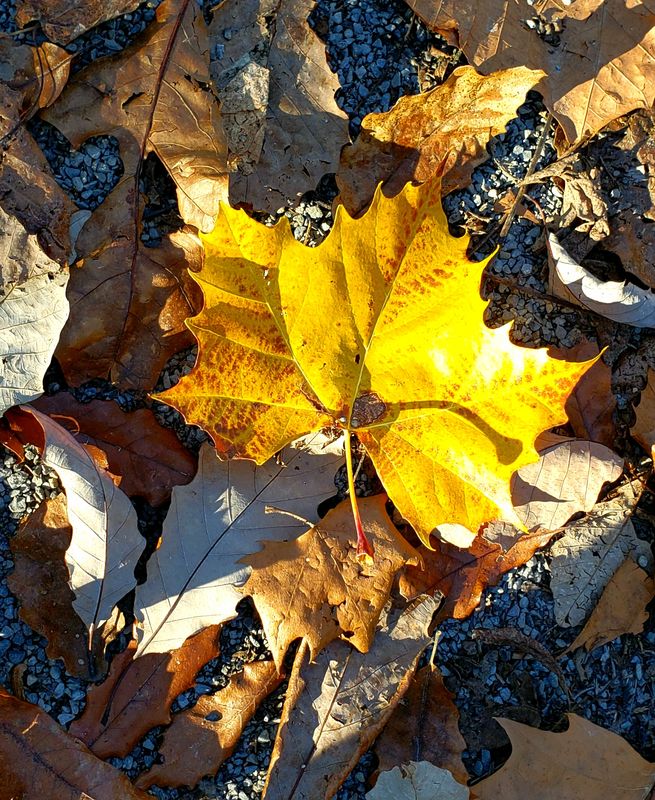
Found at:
<point>276,510</point>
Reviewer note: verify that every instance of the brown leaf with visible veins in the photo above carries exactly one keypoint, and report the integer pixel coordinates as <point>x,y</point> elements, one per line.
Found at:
<point>335,707</point>
<point>137,695</point>
<point>201,738</point>
<point>621,608</point>
<point>40,583</point>
<point>591,404</point>
<point>38,759</point>
<point>149,458</point>
<point>462,575</point>
<point>644,427</point>
<point>424,727</point>
<point>283,126</point>
<point>129,301</point>
<point>444,129</point>
<point>62,21</point>
<point>316,589</point>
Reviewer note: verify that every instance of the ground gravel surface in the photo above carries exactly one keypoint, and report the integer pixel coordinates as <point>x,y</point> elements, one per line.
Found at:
<point>380,51</point>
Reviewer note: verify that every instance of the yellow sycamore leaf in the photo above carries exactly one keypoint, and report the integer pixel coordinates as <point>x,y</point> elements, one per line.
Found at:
<point>378,330</point>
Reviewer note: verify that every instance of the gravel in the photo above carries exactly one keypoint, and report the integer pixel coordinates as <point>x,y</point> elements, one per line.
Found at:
<point>380,52</point>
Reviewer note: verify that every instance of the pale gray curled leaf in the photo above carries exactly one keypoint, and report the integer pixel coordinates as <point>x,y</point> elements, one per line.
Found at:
<point>418,780</point>
<point>336,707</point>
<point>590,552</point>
<point>621,302</point>
<point>567,478</point>
<point>33,311</point>
<point>213,522</point>
<point>105,543</point>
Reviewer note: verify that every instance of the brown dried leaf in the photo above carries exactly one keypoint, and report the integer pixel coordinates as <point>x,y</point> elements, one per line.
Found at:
<point>38,759</point>
<point>32,79</point>
<point>128,301</point>
<point>335,708</point>
<point>632,239</point>
<point>418,781</point>
<point>445,130</point>
<point>644,427</point>
<point>424,727</point>
<point>62,21</point>
<point>567,478</point>
<point>591,404</point>
<point>149,458</point>
<point>40,583</point>
<point>590,552</point>
<point>201,738</point>
<point>105,543</point>
<point>599,66</point>
<point>462,575</point>
<point>316,589</point>
<point>591,762</point>
<point>283,126</point>
<point>137,695</point>
<point>621,608</point>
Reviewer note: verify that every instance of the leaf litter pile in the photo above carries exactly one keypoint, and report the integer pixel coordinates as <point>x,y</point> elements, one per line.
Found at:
<point>328,395</point>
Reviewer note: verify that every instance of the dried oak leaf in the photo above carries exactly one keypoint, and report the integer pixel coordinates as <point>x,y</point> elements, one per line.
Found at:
<point>283,127</point>
<point>590,552</point>
<point>418,781</point>
<point>39,759</point>
<point>63,21</point>
<point>149,458</point>
<point>335,707</point>
<point>137,694</point>
<point>446,129</point>
<point>33,311</point>
<point>377,330</point>
<point>220,517</point>
<point>591,762</point>
<point>463,575</point>
<point>599,59</point>
<point>128,301</point>
<point>105,543</point>
<point>424,727</point>
<point>40,582</point>
<point>32,78</point>
<point>621,608</point>
<point>315,588</point>
<point>201,738</point>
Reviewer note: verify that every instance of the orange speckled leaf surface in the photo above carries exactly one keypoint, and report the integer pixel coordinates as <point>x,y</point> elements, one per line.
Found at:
<point>378,330</point>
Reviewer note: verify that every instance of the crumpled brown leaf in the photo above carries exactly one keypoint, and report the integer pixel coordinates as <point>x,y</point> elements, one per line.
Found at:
<point>591,762</point>
<point>644,427</point>
<point>418,781</point>
<point>32,78</point>
<point>149,458</point>
<point>335,708</point>
<point>621,608</point>
<point>599,64</point>
<point>137,695</point>
<point>129,301</point>
<point>445,129</point>
<point>38,759</point>
<point>315,588</point>
<point>283,127</point>
<point>586,557</point>
<point>201,738</point>
<point>63,20</point>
